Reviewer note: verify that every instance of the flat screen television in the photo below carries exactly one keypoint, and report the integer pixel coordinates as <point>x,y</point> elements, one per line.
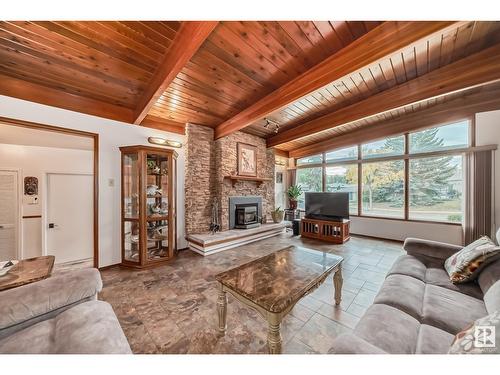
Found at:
<point>327,206</point>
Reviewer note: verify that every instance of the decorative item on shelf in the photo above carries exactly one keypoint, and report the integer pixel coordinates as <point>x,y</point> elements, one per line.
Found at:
<point>214,225</point>
<point>164,208</point>
<point>277,215</point>
<point>247,160</point>
<point>164,142</point>
<point>153,190</point>
<point>153,168</point>
<point>153,209</point>
<point>294,192</point>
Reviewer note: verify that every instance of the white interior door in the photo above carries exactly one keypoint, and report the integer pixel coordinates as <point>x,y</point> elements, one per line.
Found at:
<point>9,215</point>
<point>70,217</point>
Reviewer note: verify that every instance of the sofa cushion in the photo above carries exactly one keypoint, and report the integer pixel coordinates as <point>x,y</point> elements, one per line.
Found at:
<point>431,273</point>
<point>389,329</point>
<point>432,340</point>
<point>402,292</point>
<point>87,328</point>
<point>28,304</point>
<point>449,310</point>
<point>466,265</point>
<point>489,281</point>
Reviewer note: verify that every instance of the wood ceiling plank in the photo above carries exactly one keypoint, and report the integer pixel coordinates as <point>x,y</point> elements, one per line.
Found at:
<point>384,40</point>
<point>480,68</point>
<point>40,94</point>
<point>315,52</point>
<point>453,110</point>
<point>105,64</point>
<point>333,42</point>
<point>59,50</point>
<point>21,58</point>
<point>190,37</point>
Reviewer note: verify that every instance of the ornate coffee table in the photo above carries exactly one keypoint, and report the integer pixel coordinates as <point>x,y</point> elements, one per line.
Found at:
<point>273,284</point>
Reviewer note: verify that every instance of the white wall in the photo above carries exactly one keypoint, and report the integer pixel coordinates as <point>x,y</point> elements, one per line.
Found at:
<point>487,133</point>
<point>400,230</point>
<point>112,135</point>
<point>37,162</point>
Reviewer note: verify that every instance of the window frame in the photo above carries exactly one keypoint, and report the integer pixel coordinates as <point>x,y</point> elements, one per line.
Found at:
<point>405,157</point>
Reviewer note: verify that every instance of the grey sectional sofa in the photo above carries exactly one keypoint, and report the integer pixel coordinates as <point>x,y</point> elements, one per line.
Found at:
<point>418,310</point>
<point>60,314</point>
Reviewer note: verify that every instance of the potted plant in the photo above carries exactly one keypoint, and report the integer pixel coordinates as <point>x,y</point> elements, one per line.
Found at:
<point>294,192</point>
<point>277,215</point>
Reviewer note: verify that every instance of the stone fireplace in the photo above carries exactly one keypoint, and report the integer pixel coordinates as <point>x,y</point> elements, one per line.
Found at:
<point>245,212</point>
<point>208,161</point>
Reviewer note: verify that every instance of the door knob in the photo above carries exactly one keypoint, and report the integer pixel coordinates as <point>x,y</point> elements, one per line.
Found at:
<point>52,225</point>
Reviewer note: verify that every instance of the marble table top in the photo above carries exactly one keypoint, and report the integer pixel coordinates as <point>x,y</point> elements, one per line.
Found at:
<point>27,271</point>
<point>278,280</point>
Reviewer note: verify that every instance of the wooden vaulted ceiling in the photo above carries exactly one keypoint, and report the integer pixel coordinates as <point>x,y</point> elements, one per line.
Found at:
<point>319,80</point>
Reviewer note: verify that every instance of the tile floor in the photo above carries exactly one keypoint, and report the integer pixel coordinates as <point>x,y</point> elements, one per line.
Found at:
<point>172,308</point>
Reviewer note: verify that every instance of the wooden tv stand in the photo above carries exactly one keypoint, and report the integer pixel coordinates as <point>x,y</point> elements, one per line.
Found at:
<point>326,230</point>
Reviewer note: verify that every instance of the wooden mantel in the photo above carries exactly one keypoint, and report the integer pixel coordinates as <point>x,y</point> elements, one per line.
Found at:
<point>258,180</point>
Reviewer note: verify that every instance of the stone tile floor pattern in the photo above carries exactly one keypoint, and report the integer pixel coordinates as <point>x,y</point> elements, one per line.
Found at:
<point>172,308</point>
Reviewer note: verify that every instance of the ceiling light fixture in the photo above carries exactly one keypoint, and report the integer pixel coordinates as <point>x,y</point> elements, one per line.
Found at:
<point>164,142</point>
<point>270,122</point>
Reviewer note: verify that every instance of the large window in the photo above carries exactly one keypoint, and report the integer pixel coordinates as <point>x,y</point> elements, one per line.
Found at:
<point>436,188</point>
<point>416,176</point>
<point>344,179</point>
<point>310,179</point>
<point>383,189</point>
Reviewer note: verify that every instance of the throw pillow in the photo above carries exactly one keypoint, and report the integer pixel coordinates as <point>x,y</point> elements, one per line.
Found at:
<point>467,263</point>
<point>480,337</point>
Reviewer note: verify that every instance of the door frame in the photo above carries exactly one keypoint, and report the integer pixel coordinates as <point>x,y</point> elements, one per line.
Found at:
<point>81,133</point>
<point>45,203</point>
<point>19,234</point>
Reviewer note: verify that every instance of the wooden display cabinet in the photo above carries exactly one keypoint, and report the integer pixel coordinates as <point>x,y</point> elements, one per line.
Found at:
<point>149,229</point>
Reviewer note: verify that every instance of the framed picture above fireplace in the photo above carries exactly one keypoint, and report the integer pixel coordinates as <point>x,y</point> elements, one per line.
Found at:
<point>247,160</point>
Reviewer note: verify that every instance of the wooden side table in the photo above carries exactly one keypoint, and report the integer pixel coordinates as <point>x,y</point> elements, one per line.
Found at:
<point>28,271</point>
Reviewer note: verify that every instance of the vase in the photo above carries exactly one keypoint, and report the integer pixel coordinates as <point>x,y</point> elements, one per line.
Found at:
<point>292,204</point>
<point>277,216</point>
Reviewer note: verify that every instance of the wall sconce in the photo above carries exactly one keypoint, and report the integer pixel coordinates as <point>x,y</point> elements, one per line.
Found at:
<point>164,142</point>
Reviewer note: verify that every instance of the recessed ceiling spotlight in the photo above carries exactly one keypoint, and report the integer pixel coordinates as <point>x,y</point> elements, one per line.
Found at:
<point>270,122</point>
<point>164,142</point>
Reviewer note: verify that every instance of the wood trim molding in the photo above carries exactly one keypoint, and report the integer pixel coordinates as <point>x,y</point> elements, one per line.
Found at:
<point>188,40</point>
<point>441,114</point>
<point>282,153</point>
<point>475,70</point>
<point>163,124</point>
<point>33,92</point>
<point>386,39</point>
<point>95,137</point>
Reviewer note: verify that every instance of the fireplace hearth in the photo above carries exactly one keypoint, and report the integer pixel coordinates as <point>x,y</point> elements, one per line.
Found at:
<point>245,212</point>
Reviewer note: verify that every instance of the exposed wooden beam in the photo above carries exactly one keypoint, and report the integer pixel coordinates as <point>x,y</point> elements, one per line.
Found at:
<point>386,39</point>
<point>478,69</point>
<point>188,40</point>
<point>163,124</point>
<point>281,153</point>
<point>33,92</point>
<point>453,110</point>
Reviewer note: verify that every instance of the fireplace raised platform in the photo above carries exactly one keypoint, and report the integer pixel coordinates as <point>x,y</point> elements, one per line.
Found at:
<point>207,243</point>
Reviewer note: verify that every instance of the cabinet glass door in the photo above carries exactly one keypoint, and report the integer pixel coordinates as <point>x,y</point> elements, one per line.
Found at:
<point>130,186</point>
<point>157,206</point>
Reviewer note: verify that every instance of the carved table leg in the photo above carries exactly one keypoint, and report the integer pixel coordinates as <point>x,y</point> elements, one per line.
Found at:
<point>222,310</point>
<point>273,334</point>
<point>337,282</point>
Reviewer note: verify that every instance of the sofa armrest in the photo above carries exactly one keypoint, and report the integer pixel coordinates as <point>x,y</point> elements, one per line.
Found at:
<point>31,303</point>
<point>430,249</point>
<point>351,344</point>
